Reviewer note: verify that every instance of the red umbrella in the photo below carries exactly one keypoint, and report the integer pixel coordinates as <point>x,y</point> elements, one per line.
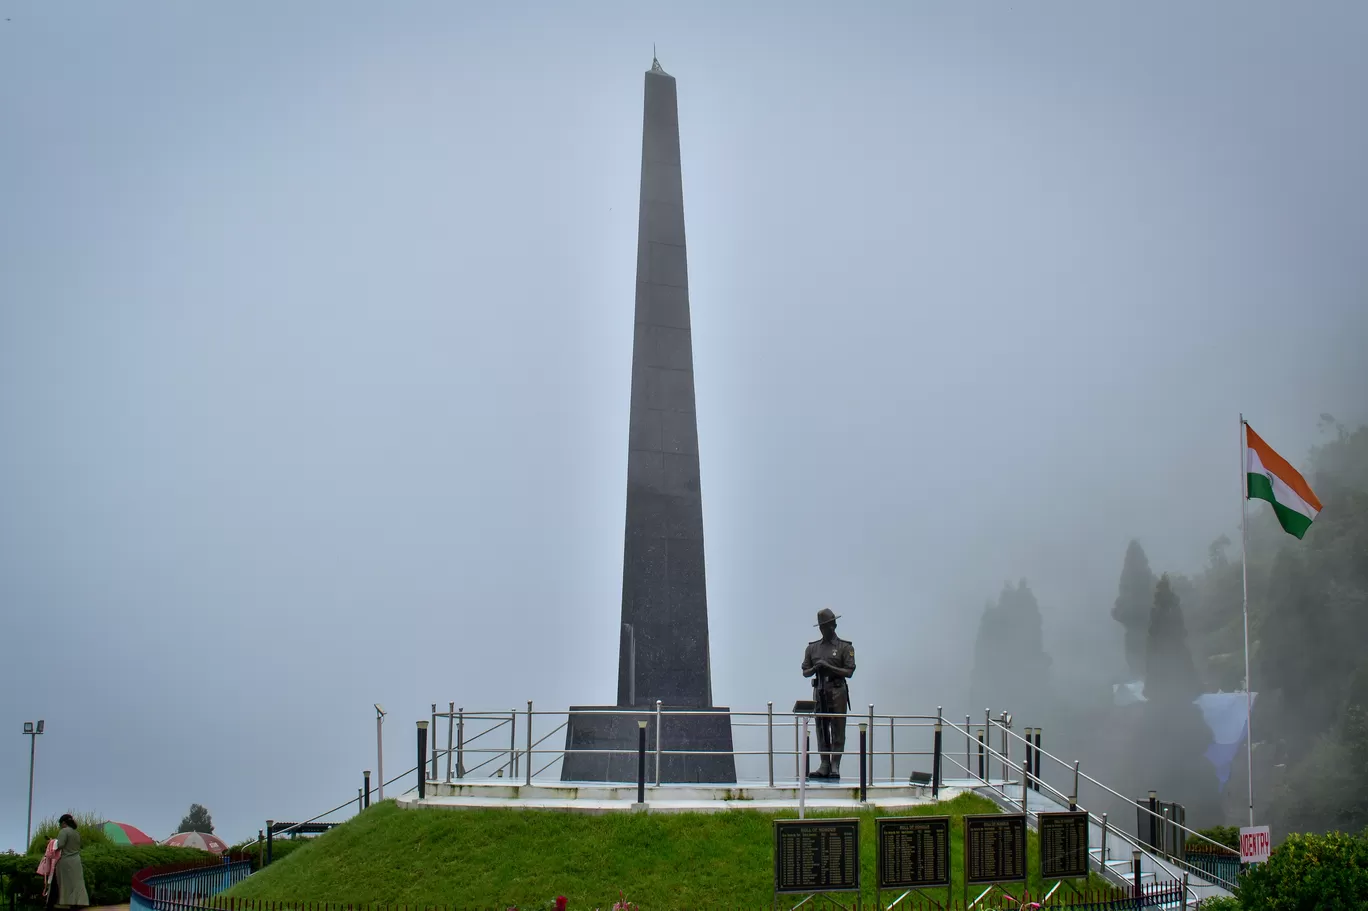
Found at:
<point>121,833</point>
<point>202,840</point>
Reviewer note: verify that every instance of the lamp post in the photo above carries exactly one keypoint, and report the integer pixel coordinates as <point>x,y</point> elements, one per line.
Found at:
<point>32,733</point>
<point>379,751</point>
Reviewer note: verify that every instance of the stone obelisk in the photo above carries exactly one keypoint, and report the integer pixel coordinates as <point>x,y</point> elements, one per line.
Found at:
<point>664,634</point>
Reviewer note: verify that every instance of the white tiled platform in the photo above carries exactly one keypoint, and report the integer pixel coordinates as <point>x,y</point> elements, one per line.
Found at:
<point>598,797</point>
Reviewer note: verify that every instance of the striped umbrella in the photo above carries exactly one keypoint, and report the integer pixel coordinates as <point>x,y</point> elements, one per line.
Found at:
<point>202,840</point>
<point>121,833</point>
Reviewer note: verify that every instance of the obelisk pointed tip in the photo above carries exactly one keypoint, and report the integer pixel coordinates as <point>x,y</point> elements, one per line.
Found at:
<point>655,63</point>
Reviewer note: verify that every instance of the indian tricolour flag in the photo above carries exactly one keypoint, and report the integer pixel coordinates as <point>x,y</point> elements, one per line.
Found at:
<point>1271,478</point>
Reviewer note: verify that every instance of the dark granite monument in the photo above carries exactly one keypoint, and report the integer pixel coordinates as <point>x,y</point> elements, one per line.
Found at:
<point>664,632</point>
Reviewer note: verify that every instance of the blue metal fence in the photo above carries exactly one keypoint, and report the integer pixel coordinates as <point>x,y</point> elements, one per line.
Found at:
<point>170,888</point>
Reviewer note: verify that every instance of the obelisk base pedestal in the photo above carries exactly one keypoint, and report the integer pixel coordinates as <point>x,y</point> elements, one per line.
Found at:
<point>708,738</point>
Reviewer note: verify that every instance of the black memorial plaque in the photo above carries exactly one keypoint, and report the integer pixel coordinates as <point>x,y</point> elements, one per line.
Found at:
<point>816,855</point>
<point>1063,845</point>
<point>914,852</point>
<point>995,848</point>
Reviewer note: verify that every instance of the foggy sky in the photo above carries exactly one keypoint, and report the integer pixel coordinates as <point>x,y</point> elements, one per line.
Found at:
<point>316,323</point>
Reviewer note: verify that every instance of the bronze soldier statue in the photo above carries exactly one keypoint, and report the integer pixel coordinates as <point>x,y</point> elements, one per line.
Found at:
<point>830,662</point>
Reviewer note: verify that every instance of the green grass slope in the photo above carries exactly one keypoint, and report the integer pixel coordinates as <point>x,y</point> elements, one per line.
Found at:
<point>502,859</point>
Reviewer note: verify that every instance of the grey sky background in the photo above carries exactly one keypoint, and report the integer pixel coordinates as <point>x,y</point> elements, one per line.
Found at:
<point>315,331</point>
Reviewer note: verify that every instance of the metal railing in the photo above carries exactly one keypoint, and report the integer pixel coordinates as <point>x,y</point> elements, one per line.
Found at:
<point>1033,778</point>
<point>167,887</point>
<point>468,739</point>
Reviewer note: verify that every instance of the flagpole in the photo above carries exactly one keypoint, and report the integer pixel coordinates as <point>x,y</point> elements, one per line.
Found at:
<point>1244,578</point>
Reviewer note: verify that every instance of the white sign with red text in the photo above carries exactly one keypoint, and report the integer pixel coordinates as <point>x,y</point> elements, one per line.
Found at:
<point>1255,845</point>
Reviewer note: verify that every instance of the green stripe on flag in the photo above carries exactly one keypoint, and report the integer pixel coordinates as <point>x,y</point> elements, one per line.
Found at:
<point>1292,522</point>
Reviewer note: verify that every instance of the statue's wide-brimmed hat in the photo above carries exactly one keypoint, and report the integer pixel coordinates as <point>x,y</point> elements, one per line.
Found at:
<point>825,615</point>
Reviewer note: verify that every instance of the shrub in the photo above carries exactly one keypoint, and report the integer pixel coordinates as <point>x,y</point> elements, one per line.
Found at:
<point>280,847</point>
<point>90,825</point>
<point>1310,873</point>
<point>108,871</point>
<point>1222,835</point>
<point>1221,904</point>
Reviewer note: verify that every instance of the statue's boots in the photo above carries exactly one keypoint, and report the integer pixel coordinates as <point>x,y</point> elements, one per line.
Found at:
<point>835,774</point>
<point>822,771</point>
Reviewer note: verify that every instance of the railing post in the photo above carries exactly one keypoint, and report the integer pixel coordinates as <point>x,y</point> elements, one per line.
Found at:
<point>657,743</point>
<point>1153,825</point>
<point>936,757</point>
<point>1073,798</point>
<point>528,758</point>
<point>893,748</point>
<point>434,741</point>
<point>422,759</point>
<point>1036,753</point>
<point>641,763</point>
<point>870,759</point>
<point>460,742</point>
<point>1025,783</point>
<point>797,752</point>
<point>988,739</point>
<point>864,794</point>
<point>769,730</point>
<point>983,758</point>
<point>1102,848</point>
<point>968,746</point>
<point>366,776</point>
<point>1006,750</point>
<point>270,836</point>
<point>512,743</point>
<point>1030,763</point>
<point>360,799</point>
<point>802,779</point>
<point>451,731</point>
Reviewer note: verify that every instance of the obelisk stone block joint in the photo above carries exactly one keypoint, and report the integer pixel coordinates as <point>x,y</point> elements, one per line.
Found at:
<point>664,650</point>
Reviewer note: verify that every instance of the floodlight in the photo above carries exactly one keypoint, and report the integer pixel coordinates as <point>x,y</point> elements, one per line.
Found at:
<point>28,727</point>
<point>40,725</point>
<point>380,708</point>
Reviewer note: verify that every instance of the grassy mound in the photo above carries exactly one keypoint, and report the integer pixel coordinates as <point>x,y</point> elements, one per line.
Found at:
<point>502,859</point>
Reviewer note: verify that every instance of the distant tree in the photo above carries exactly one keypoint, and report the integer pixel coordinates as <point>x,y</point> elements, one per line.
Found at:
<point>1170,675</point>
<point>1299,648</point>
<point>197,820</point>
<point>1011,667</point>
<point>1134,598</point>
